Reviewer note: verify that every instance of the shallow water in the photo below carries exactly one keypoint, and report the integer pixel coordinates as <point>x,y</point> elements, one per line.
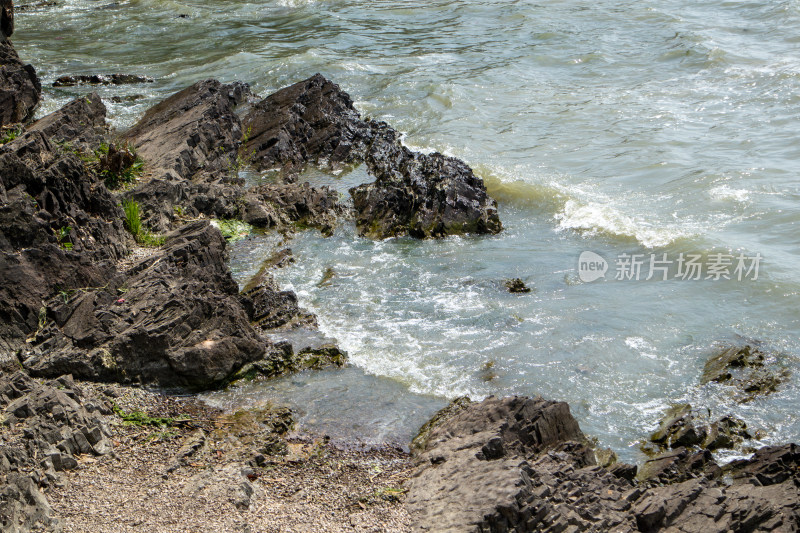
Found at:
<point>616,127</point>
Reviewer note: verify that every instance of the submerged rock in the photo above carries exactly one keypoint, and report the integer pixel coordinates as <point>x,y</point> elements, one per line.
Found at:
<point>749,370</point>
<point>20,89</point>
<point>101,79</point>
<point>522,464</point>
<point>516,285</point>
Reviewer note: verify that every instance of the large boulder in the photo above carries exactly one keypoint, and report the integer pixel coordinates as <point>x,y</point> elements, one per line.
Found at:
<point>422,195</point>
<point>174,318</point>
<point>20,89</point>
<point>314,121</point>
<point>522,464</point>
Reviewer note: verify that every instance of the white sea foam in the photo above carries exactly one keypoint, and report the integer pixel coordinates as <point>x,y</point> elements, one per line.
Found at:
<point>593,218</point>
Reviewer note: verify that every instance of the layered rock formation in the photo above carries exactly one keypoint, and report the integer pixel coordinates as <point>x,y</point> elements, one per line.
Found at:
<point>173,318</point>
<point>50,425</point>
<point>61,229</point>
<point>522,464</point>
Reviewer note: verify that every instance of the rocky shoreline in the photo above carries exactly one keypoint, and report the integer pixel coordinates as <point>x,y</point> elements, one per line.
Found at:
<point>114,278</point>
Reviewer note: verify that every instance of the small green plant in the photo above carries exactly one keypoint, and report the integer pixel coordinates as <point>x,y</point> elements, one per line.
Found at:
<point>118,165</point>
<point>62,236</point>
<point>232,229</point>
<point>133,222</point>
<point>11,133</point>
<point>242,155</point>
<point>138,418</point>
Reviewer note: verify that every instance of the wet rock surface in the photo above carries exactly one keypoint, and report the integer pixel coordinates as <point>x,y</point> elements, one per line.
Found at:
<point>751,372</point>
<point>20,88</point>
<point>271,308</point>
<point>421,195</point>
<point>101,79</point>
<point>516,286</point>
<point>522,464</point>
<point>683,426</point>
<point>292,204</point>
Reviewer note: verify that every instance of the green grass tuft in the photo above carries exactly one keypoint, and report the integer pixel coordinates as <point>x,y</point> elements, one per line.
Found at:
<point>133,222</point>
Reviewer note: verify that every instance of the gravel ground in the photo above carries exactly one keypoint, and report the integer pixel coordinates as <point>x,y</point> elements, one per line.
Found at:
<point>315,487</point>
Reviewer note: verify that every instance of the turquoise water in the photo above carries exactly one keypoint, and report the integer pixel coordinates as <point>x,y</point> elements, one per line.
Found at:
<point>614,127</point>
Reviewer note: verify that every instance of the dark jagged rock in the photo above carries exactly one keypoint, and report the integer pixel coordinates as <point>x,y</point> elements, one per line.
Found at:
<point>81,123</point>
<point>175,319</point>
<point>20,89</point>
<point>283,360</point>
<point>718,367</point>
<point>60,230</point>
<point>768,466</point>
<point>192,130</point>
<point>165,200</point>
<point>314,121</point>
<point>752,372</point>
<point>23,507</point>
<point>513,464</point>
<point>420,440</point>
<point>189,143</point>
<point>521,464</point>
<point>269,307</point>
<point>6,19</point>
<point>678,465</point>
<point>516,285</point>
<point>284,205</point>
<point>101,79</point>
<point>421,195</point>
<point>684,427</point>
<point>751,503</point>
